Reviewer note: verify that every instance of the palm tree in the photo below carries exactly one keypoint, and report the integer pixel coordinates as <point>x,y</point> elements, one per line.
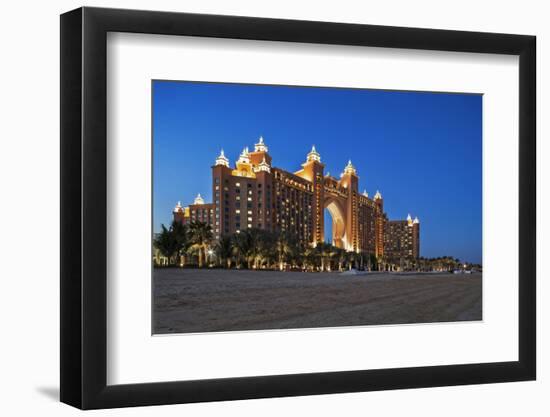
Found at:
<point>257,239</point>
<point>201,236</point>
<point>224,250</point>
<point>333,253</point>
<point>297,253</point>
<point>310,257</point>
<point>351,257</point>
<point>265,254</point>
<point>181,236</point>
<point>325,251</point>
<point>242,243</point>
<point>283,248</point>
<point>166,243</point>
<point>340,258</point>
<point>269,250</point>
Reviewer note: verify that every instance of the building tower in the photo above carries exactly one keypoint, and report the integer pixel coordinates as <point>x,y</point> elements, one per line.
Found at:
<point>313,171</point>
<point>221,173</point>
<point>350,181</point>
<point>261,164</point>
<point>379,225</point>
<point>416,238</point>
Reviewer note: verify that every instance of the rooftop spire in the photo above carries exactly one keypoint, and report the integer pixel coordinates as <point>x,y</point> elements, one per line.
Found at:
<point>244,158</point>
<point>178,207</point>
<point>260,146</point>
<point>377,196</point>
<point>313,155</point>
<point>416,221</point>
<point>365,193</point>
<point>222,160</point>
<point>198,199</point>
<point>350,169</point>
<point>409,220</point>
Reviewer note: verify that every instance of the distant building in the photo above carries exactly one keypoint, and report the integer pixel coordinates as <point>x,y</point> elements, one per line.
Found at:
<point>402,238</point>
<point>255,194</point>
<point>199,211</point>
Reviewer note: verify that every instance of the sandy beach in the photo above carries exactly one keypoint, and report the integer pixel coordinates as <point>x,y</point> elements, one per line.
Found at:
<point>192,300</point>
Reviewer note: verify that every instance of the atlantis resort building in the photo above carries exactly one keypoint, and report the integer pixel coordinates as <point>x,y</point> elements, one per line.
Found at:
<point>256,194</point>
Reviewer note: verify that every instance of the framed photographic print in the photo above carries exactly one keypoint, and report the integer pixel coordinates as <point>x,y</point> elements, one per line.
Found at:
<point>258,207</point>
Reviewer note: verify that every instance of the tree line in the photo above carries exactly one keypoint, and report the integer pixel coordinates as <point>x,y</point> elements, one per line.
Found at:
<point>194,244</point>
<point>253,249</point>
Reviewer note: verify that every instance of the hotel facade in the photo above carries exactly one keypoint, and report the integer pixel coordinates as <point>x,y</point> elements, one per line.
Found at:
<point>256,194</point>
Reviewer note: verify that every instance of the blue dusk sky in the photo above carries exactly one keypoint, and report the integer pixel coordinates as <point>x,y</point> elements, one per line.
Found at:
<point>423,151</point>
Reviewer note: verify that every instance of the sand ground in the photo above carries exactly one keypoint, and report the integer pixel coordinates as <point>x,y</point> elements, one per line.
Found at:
<point>192,300</point>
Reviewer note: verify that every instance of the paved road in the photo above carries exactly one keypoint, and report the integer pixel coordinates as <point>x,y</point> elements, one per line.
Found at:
<point>188,300</point>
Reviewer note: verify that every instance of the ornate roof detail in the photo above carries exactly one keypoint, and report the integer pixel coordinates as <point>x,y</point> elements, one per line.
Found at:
<point>350,169</point>
<point>263,166</point>
<point>198,199</point>
<point>313,155</point>
<point>377,196</point>
<point>222,160</point>
<point>178,207</point>
<point>244,158</point>
<point>409,220</point>
<point>416,221</point>
<point>365,193</point>
<point>260,146</point>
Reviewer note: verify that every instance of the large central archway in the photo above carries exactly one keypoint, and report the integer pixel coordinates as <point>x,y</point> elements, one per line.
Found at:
<point>337,215</point>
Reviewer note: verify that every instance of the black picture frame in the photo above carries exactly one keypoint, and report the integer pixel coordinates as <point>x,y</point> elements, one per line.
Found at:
<point>84,207</point>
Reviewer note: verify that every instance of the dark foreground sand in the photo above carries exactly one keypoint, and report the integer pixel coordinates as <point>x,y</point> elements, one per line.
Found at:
<point>191,300</point>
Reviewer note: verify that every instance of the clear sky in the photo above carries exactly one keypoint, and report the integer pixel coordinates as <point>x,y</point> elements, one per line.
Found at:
<point>423,151</point>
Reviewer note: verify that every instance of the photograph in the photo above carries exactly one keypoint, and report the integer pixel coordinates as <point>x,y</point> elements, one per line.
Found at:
<point>294,207</point>
<point>338,205</point>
